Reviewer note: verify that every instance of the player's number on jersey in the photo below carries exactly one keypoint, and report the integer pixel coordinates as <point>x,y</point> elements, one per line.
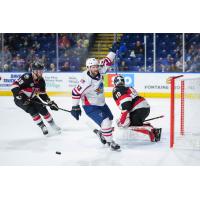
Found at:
<point>20,81</point>
<point>118,94</point>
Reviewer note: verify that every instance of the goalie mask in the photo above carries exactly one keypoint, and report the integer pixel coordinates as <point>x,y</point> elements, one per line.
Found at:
<point>119,80</point>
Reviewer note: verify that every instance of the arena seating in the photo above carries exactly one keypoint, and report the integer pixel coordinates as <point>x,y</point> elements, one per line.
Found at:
<point>21,49</point>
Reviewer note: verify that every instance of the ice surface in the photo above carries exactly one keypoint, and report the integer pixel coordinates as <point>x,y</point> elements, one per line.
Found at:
<point>22,142</point>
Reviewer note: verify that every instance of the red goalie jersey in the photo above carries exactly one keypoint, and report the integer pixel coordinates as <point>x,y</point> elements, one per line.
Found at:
<point>134,109</point>
<point>128,101</point>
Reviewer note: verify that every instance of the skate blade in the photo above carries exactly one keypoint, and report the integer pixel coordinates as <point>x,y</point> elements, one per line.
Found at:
<point>52,134</point>
<point>116,150</point>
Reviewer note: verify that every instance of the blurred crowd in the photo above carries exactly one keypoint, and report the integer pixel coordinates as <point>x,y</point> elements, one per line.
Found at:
<point>61,52</point>
<point>169,52</point>
<point>67,52</point>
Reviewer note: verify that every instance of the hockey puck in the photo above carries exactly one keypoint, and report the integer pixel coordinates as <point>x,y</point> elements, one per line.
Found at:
<point>58,152</point>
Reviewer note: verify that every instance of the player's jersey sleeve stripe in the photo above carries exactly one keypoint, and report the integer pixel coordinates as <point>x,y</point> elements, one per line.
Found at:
<point>75,97</point>
<point>14,86</point>
<point>123,99</point>
<point>140,100</point>
<point>76,92</point>
<point>28,89</point>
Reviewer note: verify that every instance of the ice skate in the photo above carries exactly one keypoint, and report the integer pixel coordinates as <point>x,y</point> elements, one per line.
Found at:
<point>113,146</point>
<point>99,134</point>
<point>157,133</point>
<point>44,130</point>
<point>55,127</point>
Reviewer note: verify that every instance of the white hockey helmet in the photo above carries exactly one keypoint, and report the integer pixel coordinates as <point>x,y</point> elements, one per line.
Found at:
<point>91,62</point>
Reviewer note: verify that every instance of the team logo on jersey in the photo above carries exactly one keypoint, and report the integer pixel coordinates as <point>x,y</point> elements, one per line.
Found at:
<point>26,76</point>
<point>32,84</point>
<point>99,90</point>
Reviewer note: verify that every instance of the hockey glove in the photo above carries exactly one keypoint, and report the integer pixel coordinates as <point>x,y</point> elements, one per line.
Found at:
<point>76,112</point>
<point>53,105</point>
<point>23,99</point>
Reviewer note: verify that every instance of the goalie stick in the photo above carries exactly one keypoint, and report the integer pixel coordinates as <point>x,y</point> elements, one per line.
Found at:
<point>161,116</point>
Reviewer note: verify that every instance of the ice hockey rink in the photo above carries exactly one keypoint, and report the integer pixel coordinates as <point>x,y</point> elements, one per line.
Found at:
<point>22,142</point>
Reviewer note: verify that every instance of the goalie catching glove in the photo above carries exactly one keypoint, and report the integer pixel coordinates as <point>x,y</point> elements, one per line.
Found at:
<point>76,112</point>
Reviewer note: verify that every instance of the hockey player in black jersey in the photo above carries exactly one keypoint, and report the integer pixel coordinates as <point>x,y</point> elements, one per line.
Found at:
<point>134,110</point>
<point>25,91</point>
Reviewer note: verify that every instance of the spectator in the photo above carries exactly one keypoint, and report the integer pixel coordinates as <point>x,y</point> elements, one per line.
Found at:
<point>6,56</point>
<point>65,67</point>
<point>42,60</point>
<point>18,64</point>
<point>85,42</point>
<point>132,54</point>
<point>52,67</point>
<point>164,65</point>
<point>139,49</point>
<point>122,50</point>
<point>31,56</point>
<point>64,42</point>
<point>123,66</point>
<point>195,66</point>
<point>6,68</point>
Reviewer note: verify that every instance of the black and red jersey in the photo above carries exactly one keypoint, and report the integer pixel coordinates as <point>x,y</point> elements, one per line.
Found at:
<point>27,85</point>
<point>128,99</point>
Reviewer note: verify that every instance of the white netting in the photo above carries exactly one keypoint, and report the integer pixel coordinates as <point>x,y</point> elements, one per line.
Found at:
<point>190,114</point>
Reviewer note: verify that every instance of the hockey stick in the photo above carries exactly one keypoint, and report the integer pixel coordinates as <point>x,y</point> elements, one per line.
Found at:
<point>161,116</point>
<point>45,104</point>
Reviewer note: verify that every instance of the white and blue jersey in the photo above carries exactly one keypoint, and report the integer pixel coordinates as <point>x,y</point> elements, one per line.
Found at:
<point>90,90</point>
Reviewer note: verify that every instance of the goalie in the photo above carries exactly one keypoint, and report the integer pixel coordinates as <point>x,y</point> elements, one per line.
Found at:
<point>134,110</point>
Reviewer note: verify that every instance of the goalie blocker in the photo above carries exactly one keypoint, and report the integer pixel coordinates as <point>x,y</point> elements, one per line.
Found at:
<point>134,110</point>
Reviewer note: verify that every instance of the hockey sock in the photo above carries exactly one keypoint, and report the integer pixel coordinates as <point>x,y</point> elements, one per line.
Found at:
<point>48,118</point>
<point>38,120</point>
<point>107,134</point>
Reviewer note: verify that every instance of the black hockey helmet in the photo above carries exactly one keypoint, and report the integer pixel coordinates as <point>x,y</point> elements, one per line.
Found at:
<point>119,80</point>
<point>37,66</point>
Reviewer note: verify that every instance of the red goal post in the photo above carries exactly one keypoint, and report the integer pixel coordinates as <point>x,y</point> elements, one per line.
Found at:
<point>171,80</point>
<point>184,112</point>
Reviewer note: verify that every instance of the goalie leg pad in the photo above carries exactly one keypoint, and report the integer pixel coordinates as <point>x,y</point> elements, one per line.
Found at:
<point>147,130</point>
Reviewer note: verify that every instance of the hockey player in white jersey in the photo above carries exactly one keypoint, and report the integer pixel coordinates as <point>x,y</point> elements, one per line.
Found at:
<point>90,90</point>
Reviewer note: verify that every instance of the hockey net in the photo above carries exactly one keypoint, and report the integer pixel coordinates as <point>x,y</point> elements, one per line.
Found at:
<point>185,111</point>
